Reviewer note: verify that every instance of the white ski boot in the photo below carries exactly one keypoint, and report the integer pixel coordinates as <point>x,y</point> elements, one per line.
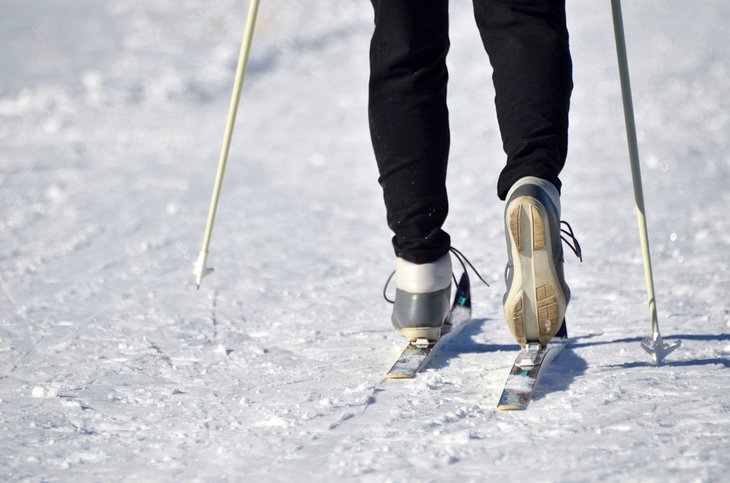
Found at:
<point>422,299</point>
<point>537,295</point>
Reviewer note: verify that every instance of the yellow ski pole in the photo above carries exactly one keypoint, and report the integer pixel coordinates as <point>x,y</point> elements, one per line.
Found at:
<point>200,269</point>
<point>654,345</point>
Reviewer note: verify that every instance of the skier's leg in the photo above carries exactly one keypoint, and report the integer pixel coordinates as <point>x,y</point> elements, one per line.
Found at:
<point>527,42</point>
<point>410,135</point>
<point>409,122</point>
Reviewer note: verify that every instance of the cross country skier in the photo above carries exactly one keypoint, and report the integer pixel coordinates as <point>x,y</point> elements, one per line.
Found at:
<point>527,44</point>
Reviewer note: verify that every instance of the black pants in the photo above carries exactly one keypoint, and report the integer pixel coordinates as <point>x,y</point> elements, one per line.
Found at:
<point>527,43</point>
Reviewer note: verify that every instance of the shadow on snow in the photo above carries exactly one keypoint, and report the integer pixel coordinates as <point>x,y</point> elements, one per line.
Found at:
<point>558,376</point>
<point>724,361</point>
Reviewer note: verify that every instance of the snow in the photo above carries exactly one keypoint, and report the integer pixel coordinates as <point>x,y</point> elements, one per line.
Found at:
<point>113,367</point>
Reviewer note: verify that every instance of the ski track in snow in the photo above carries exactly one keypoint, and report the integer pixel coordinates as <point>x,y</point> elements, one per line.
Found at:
<point>113,367</point>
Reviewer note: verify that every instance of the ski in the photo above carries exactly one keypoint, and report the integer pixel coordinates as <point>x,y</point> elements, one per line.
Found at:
<point>525,374</point>
<point>417,354</point>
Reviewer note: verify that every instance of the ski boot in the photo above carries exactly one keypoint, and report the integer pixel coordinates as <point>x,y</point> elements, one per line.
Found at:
<point>537,295</point>
<point>422,299</point>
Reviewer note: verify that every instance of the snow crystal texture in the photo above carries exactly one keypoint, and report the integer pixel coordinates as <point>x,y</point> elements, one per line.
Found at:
<point>113,367</point>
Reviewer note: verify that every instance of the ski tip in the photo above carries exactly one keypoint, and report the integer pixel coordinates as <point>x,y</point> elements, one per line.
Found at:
<point>399,376</point>
<point>506,408</point>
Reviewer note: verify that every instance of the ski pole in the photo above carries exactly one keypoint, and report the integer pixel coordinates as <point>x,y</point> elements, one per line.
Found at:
<point>654,345</point>
<point>200,269</point>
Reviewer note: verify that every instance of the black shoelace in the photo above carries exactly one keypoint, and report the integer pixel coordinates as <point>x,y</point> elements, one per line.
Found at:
<point>569,238</point>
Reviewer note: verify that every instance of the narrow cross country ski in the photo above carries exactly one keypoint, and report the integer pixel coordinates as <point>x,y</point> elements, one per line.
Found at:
<point>525,374</point>
<point>417,354</point>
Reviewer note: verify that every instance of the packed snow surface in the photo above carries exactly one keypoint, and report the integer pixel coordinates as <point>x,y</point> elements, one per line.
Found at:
<point>113,366</point>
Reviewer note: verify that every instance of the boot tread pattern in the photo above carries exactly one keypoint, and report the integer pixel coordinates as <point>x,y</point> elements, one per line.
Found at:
<point>518,321</point>
<point>547,310</point>
<point>540,305</point>
<point>538,230</point>
<point>514,227</point>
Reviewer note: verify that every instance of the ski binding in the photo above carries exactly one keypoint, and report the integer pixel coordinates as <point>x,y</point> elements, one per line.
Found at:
<point>525,374</point>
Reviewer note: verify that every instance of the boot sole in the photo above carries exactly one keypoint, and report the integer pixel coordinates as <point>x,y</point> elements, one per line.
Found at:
<point>535,304</point>
<point>433,334</point>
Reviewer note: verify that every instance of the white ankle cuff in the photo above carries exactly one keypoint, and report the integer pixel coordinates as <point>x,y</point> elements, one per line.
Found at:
<point>423,277</point>
<point>546,186</point>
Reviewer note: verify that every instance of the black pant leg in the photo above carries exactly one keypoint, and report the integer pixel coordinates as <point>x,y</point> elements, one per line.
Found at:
<point>409,123</point>
<point>527,43</point>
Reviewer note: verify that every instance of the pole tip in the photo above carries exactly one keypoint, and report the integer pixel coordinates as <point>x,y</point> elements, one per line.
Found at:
<point>658,349</point>
<point>200,269</point>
